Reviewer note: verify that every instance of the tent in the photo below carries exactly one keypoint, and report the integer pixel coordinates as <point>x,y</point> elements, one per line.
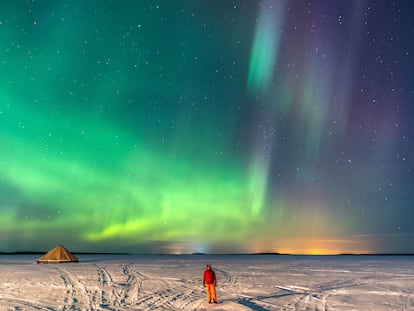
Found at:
<point>57,255</point>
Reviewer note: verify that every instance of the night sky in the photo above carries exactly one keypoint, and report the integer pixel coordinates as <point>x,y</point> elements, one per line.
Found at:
<point>207,126</point>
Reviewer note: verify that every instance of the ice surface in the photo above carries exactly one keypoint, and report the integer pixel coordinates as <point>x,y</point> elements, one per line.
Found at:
<point>245,282</point>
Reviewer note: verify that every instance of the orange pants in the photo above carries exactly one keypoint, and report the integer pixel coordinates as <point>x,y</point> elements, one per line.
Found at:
<point>211,292</point>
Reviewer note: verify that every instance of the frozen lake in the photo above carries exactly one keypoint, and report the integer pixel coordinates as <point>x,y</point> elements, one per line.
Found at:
<point>245,282</point>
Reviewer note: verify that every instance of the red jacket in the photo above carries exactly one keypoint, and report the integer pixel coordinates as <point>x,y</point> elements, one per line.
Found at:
<point>209,277</point>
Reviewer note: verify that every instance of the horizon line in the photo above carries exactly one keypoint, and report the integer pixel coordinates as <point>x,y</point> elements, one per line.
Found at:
<point>211,254</point>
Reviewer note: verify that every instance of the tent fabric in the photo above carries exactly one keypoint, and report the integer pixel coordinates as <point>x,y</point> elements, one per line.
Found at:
<point>57,255</point>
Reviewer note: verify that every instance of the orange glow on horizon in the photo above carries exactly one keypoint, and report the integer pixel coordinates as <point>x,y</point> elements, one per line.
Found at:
<point>316,246</point>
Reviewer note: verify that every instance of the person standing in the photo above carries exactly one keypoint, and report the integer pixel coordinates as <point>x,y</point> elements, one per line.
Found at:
<point>210,281</point>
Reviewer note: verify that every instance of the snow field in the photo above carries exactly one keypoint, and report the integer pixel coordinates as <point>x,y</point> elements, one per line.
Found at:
<point>245,282</point>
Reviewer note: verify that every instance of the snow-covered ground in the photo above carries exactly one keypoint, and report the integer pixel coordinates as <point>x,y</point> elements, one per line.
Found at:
<point>248,282</point>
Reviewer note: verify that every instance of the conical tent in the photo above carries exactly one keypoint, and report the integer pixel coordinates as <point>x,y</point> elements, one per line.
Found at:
<point>58,255</point>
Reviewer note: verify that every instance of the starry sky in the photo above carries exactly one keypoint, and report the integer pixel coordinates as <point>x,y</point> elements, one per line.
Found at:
<point>207,126</point>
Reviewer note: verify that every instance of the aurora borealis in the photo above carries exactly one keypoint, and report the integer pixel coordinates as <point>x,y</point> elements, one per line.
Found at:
<point>207,126</point>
